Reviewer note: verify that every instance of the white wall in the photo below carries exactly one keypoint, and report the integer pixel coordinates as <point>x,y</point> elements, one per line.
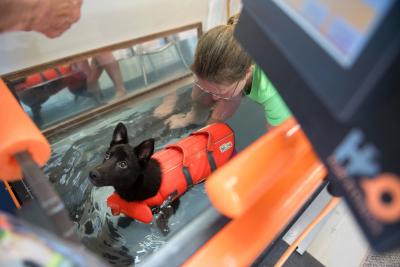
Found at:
<point>340,241</point>
<point>217,11</point>
<point>103,22</point>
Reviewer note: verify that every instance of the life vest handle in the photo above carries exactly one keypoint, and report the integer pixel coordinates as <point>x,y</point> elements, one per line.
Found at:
<point>209,138</point>
<point>182,150</point>
<point>210,156</point>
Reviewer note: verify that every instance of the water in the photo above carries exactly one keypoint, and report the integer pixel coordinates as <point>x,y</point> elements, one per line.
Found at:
<point>117,239</point>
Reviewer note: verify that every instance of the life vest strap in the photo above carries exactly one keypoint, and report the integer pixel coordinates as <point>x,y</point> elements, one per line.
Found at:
<point>59,73</point>
<point>43,77</point>
<point>188,176</point>
<point>211,161</point>
<point>168,201</point>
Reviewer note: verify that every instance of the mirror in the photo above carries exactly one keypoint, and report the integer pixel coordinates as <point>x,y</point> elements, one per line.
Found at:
<point>58,92</point>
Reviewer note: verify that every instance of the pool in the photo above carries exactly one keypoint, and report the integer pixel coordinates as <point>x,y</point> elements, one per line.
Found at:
<point>120,241</point>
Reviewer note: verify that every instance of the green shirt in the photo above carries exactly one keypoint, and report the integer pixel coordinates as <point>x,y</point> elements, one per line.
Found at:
<point>263,92</point>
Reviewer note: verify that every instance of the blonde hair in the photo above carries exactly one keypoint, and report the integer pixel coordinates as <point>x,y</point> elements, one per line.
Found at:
<point>219,58</point>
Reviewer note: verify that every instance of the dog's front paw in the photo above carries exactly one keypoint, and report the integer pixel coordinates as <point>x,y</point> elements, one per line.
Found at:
<point>162,222</point>
<point>124,221</point>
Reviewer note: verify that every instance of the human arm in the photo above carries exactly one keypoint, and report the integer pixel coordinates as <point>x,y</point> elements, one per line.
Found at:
<point>50,17</point>
<point>197,114</point>
<point>200,111</point>
<point>275,110</point>
<point>264,93</point>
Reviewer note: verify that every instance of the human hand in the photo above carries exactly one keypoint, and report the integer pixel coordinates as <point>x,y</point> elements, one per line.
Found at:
<point>166,107</point>
<point>53,17</point>
<point>163,110</point>
<point>178,121</point>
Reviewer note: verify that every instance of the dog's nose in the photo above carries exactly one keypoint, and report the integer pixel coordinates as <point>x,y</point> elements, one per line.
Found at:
<point>94,174</point>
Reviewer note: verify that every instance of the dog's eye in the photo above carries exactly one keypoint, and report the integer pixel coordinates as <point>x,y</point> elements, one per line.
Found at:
<point>122,164</point>
<point>107,156</point>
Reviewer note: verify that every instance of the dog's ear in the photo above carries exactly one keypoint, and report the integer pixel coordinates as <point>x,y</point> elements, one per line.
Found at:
<point>145,150</point>
<point>120,135</point>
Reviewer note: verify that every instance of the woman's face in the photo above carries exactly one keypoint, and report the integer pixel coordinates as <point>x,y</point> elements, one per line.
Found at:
<point>221,91</point>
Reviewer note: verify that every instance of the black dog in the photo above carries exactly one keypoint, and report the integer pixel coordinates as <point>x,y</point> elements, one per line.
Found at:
<point>132,172</point>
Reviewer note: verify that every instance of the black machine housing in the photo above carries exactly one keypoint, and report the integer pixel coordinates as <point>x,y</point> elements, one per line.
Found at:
<point>351,114</point>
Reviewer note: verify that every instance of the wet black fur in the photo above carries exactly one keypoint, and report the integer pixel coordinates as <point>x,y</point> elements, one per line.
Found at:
<point>140,179</point>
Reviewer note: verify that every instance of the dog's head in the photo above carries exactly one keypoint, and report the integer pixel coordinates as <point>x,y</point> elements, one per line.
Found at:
<point>123,163</point>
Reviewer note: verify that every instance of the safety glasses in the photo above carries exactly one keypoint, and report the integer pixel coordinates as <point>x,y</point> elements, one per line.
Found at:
<point>226,94</point>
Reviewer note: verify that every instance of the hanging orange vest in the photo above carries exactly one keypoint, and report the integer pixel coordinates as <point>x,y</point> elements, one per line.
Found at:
<point>186,163</point>
<point>47,75</point>
<point>74,78</point>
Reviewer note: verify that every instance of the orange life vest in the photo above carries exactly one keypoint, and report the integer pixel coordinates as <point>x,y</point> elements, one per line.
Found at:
<point>47,75</point>
<point>74,78</point>
<point>186,163</point>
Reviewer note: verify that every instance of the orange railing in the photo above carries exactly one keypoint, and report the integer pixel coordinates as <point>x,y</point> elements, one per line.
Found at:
<point>261,189</point>
<point>12,195</point>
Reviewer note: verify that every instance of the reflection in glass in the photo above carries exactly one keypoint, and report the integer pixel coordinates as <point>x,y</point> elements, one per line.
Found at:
<point>54,95</point>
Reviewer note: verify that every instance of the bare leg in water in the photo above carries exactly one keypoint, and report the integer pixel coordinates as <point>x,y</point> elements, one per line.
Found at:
<point>91,84</point>
<point>167,106</point>
<point>93,70</point>
<point>107,61</point>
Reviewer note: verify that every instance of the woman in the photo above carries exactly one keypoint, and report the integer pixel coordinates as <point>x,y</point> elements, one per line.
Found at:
<point>223,73</point>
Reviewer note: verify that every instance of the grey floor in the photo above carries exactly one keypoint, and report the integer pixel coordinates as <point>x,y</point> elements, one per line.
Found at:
<point>389,259</point>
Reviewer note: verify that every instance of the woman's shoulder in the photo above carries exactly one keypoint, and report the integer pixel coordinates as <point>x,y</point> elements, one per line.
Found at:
<point>261,85</point>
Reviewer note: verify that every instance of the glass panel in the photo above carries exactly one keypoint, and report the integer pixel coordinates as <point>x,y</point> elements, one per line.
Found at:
<point>54,95</point>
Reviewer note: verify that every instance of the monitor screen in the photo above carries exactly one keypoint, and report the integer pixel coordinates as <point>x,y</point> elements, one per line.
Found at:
<point>341,27</point>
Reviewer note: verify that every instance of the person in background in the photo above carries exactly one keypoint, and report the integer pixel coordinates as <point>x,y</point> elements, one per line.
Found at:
<point>93,70</point>
<point>50,17</point>
<point>223,73</point>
